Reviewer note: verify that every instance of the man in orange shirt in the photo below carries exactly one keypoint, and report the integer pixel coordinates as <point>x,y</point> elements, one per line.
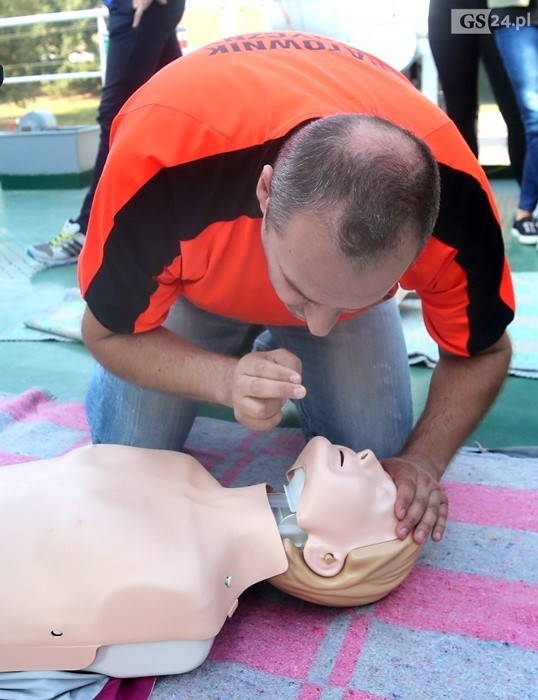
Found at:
<point>287,182</point>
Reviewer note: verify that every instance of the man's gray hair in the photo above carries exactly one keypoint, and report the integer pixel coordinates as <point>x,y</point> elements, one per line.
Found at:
<point>371,182</point>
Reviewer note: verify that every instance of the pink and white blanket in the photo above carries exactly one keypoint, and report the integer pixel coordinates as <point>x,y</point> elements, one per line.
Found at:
<point>463,625</point>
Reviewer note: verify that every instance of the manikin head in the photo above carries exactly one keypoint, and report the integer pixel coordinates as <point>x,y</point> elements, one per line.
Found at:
<point>345,508</point>
<point>347,206</point>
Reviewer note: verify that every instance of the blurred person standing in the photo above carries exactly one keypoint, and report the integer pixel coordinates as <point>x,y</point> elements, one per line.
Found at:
<point>457,58</point>
<point>516,34</point>
<point>142,39</point>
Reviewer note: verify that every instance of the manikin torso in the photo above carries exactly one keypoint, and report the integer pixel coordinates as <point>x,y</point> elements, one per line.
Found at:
<point>110,542</point>
<point>127,561</point>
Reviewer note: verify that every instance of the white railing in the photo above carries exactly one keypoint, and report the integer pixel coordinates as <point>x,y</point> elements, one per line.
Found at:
<point>342,19</point>
<point>98,14</point>
<point>226,10</point>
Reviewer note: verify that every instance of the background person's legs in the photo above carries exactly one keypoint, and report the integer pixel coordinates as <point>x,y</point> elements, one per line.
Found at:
<point>519,49</point>
<point>134,55</point>
<point>506,101</point>
<point>456,57</point>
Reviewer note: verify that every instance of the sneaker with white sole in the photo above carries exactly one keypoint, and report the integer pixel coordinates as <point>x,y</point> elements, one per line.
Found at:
<point>63,249</point>
<point>526,230</point>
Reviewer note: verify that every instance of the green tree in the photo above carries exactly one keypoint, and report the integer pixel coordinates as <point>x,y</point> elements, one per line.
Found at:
<point>38,49</point>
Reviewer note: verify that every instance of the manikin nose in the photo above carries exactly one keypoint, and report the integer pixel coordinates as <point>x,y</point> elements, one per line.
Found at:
<point>320,319</point>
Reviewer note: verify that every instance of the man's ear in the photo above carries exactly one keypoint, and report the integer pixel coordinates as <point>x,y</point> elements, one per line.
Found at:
<point>263,186</point>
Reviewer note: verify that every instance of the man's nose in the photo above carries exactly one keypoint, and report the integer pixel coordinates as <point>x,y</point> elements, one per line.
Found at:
<point>320,319</point>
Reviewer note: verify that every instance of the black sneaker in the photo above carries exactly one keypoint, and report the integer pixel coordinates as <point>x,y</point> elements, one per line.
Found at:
<point>526,230</point>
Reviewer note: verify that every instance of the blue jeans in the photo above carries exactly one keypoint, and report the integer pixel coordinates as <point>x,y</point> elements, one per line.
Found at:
<point>357,380</point>
<point>519,50</point>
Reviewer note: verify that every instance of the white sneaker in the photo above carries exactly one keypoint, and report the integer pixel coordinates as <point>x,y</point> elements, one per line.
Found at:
<point>63,249</point>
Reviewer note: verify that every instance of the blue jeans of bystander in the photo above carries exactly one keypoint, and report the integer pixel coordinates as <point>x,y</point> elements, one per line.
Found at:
<point>519,50</point>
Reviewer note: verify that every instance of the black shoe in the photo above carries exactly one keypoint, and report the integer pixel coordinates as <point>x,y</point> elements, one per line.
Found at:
<point>526,230</point>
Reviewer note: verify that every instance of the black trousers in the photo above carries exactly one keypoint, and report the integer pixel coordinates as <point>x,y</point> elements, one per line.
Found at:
<point>457,58</point>
<point>134,55</point>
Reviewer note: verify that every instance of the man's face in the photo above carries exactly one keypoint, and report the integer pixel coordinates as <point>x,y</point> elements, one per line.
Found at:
<point>314,281</point>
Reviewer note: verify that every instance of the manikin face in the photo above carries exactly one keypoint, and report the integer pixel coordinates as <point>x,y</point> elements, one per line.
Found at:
<point>347,502</point>
<point>310,276</point>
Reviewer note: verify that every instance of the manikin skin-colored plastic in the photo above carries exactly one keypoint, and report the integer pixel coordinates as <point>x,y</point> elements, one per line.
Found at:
<point>347,508</point>
<point>347,502</point>
<point>110,546</point>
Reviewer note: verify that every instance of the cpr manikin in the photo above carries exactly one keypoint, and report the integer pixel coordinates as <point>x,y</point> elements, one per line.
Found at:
<point>127,561</point>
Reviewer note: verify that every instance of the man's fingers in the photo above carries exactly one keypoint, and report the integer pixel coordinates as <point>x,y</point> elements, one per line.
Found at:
<point>259,415</point>
<point>433,521</point>
<point>137,17</point>
<point>259,375</point>
<point>424,516</point>
<point>273,389</point>
<point>262,383</point>
<point>283,357</point>
<point>140,6</point>
<point>262,425</point>
<point>421,503</point>
<point>440,525</point>
<point>261,365</point>
<point>427,513</point>
<point>262,409</point>
<point>404,498</point>
<point>417,511</point>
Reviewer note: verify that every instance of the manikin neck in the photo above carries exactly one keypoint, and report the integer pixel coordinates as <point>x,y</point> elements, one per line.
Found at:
<point>284,507</point>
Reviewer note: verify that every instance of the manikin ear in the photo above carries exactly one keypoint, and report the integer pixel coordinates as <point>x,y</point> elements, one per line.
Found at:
<point>323,560</point>
<point>262,188</point>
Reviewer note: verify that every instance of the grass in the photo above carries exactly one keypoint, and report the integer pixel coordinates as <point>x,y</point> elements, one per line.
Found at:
<point>69,111</point>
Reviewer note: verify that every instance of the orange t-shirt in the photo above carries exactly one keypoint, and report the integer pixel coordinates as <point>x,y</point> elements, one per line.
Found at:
<point>175,212</point>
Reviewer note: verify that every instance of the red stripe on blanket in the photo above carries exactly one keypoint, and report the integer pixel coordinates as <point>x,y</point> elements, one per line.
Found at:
<point>476,606</point>
<point>10,458</point>
<point>350,652</point>
<point>34,405</point>
<point>493,506</point>
<point>310,692</point>
<point>259,631</point>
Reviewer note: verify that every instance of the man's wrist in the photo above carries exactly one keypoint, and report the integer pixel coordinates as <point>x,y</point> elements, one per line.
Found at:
<point>433,465</point>
<point>225,384</point>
